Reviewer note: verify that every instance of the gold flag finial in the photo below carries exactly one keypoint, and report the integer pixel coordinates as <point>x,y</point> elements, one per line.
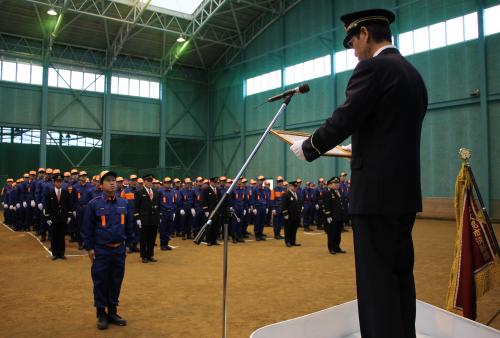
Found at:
<point>465,155</point>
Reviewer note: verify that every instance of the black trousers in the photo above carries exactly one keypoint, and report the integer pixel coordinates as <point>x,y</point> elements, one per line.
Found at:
<point>213,230</point>
<point>384,275</point>
<point>291,230</point>
<point>334,231</point>
<point>58,245</point>
<point>147,240</point>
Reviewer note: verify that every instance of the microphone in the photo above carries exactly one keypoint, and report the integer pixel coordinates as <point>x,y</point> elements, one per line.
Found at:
<point>302,89</point>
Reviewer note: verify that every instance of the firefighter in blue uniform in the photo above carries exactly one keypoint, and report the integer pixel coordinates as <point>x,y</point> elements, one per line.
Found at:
<point>107,227</point>
<point>129,194</point>
<point>238,210</point>
<point>119,186</point>
<point>179,210</point>
<point>187,195</point>
<point>31,207</point>
<point>74,176</point>
<point>276,195</point>
<point>7,205</point>
<point>267,187</point>
<point>309,201</point>
<point>167,212</point>
<point>319,215</point>
<point>80,197</point>
<point>24,197</point>
<point>199,218</point>
<point>246,206</point>
<point>260,208</point>
<point>38,186</point>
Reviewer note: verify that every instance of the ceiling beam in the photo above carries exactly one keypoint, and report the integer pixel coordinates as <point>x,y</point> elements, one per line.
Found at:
<point>135,13</point>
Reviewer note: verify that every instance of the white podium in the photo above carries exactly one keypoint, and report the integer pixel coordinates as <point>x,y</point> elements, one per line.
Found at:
<point>342,322</point>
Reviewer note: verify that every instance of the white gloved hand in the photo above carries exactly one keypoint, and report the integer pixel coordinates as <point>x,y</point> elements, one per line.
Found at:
<point>193,212</point>
<point>285,217</point>
<point>74,213</point>
<point>18,205</point>
<point>139,223</point>
<point>274,212</point>
<point>255,211</point>
<point>329,220</point>
<point>25,204</point>
<point>40,206</point>
<point>183,212</point>
<point>231,209</point>
<point>302,209</point>
<point>49,222</point>
<point>296,148</point>
<point>5,206</point>
<point>244,212</point>
<point>32,204</point>
<point>11,207</point>
<point>69,220</point>
<point>316,206</point>
<point>173,217</point>
<point>14,208</point>
<point>267,211</point>
<point>347,147</point>
<point>207,213</point>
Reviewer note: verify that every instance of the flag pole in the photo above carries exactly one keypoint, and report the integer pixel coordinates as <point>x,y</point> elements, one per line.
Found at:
<point>465,155</point>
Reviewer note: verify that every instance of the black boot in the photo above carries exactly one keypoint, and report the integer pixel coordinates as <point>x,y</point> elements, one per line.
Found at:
<point>114,318</point>
<point>102,318</point>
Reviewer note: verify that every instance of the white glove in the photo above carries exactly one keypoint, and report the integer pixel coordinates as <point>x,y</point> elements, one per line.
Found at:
<point>285,217</point>
<point>296,148</point>
<point>316,206</point>
<point>139,223</point>
<point>267,211</point>
<point>25,205</point>
<point>173,217</point>
<point>182,212</point>
<point>11,207</point>
<point>244,212</point>
<point>5,206</point>
<point>347,147</point>
<point>18,205</point>
<point>40,206</point>
<point>33,204</point>
<point>207,213</point>
<point>302,209</point>
<point>69,220</point>
<point>74,213</point>
<point>255,211</point>
<point>49,222</point>
<point>329,220</point>
<point>193,212</point>
<point>231,209</point>
<point>274,212</point>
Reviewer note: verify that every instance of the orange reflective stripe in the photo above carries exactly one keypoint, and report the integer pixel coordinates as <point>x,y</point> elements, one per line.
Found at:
<point>173,200</point>
<point>122,194</point>
<point>78,195</point>
<point>164,199</point>
<point>103,220</point>
<point>122,219</point>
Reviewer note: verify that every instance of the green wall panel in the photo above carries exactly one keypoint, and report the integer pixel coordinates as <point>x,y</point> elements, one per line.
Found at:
<point>135,115</point>
<point>65,111</point>
<point>19,103</point>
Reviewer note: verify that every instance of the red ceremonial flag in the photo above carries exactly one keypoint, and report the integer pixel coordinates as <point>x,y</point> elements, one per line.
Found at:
<point>476,265</point>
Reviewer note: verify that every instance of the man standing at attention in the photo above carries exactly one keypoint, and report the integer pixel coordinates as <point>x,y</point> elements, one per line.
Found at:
<point>385,105</point>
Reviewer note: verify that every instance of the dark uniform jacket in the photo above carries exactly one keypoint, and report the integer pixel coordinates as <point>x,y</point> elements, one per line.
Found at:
<point>210,198</point>
<point>145,208</point>
<point>333,206</point>
<point>385,105</point>
<point>290,206</point>
<point>57,211</point>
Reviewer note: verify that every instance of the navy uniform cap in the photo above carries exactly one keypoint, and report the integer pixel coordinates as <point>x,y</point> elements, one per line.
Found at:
<point>57,177</point>
<point>148,177</point>
<point>353,21</point>
<point>334,179</point>
<point>293,182</point>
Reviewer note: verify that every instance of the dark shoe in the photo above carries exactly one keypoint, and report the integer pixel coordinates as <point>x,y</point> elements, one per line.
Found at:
<point>333,252</point>
<point>209,244</point>
<point>114,318</point>
<point>320,227</point>
<point>163,248</point>
<point>307,229</point>
<point>168,247</point>
<point>44,238</point>
<point>62,257</point>
<point>263,235</point>
<point>289,245</point>
<point>340,251</point>
<point>184,237</point>
<point>246,236</point>
<point>102,319</point>
<point>145,260</point>
<point>152,259</point>
<point>235,241</point>
<point>190,237</point>
<point>240,240</point>
<point>277,237</point>
<point>215,243</point>
<point>54,258</point>
<point>297,244</point>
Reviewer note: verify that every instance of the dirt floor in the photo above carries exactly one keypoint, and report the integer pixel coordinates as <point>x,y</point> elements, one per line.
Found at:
<point>180,295</point>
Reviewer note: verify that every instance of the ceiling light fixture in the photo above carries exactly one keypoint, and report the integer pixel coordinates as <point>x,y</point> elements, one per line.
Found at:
<point>52,12</point>
<point>181,39</point>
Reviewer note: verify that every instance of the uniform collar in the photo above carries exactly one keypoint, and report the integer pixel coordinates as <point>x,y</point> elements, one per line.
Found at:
<point>381,49</point>
<point>108,198</point>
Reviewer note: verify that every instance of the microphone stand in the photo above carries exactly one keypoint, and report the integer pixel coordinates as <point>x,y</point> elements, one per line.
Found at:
<point>201,234</point>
